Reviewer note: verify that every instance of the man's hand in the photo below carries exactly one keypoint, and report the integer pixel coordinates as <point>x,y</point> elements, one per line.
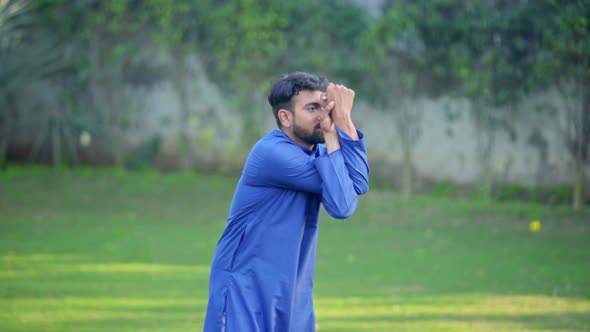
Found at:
<point>343,99</point>
<point>328,128</point>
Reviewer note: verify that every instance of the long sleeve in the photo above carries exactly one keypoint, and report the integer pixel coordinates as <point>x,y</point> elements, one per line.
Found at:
<point>282,165</point>
<point>338,194</point>
<point>285,165</point>
<point>355,158</point>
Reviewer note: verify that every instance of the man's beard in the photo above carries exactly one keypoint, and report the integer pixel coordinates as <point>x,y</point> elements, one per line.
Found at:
<point>311,138</point>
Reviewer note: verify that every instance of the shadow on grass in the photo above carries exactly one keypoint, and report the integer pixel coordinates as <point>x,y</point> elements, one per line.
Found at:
<point>458,322</point>
<point>42,292</point>
<point>77,293</point>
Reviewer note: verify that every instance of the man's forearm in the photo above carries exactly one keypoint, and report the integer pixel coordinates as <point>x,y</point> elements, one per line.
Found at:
<point>355,158</point>
<point>332,141</point>
<point>346,125</point>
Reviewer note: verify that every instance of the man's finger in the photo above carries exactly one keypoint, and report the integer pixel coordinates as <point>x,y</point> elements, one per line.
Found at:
<point>330,89</point>
<point>328,107</point>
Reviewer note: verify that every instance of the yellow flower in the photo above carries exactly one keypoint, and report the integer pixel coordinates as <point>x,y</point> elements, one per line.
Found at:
<point>535,226</point>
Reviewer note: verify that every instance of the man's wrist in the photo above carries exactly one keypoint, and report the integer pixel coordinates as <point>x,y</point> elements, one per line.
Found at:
<point>332,142</point>
<point>348,127</point>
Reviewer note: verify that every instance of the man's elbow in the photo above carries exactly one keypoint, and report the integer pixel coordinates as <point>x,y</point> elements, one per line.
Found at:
<point>361,188</point>
<point>342,211</point>
<point>361,181</point>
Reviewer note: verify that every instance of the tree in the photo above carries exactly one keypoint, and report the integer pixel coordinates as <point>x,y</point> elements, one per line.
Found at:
<point>105,42</point>
<point>492,58</point>
<point>396,64</point>
<point>566,63</point>
<point>249,42</point>
<point>174,27</point>
<point>483,50</point>
<point>27,53</point>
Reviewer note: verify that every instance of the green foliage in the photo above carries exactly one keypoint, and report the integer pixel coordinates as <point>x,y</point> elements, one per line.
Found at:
<point>173,22</point>
<point>567,39</point>
<point>485,51</point>
<point>486,48</point>
<point>248,42</point>
<point>492,52</point>
<point>28,52</point>
<point>566,64</point>
<point>557,195</point>
<point>145,156</point>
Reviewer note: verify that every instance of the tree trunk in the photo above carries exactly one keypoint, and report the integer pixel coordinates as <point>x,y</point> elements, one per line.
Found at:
<point>486,145</point>
<point>583,140</point>
<point>102,93</point>
<point>3,148</point>
<point>56,155</point>
<point>487,186</point>
<point>4,137</point>
<point>578,189</point>
<point>185,143</point>
<point>70,144</point>
<point>250,116</point>
<point>405,125</point>
<point>117,150</point>
<point>408,173</point>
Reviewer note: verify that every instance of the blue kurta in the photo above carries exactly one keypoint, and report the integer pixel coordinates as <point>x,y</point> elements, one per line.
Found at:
<point>262,272</point>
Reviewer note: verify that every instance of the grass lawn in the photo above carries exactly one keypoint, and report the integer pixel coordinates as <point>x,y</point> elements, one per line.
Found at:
<point>100,250</point>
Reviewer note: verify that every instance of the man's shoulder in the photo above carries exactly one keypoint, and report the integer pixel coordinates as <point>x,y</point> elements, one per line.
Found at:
<point>270,151</point>
<point>272,142</point>
<point>273,136</point>
<point>276,148</point>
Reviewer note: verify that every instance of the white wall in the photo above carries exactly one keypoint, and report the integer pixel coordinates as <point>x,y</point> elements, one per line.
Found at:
<point>529,149</point>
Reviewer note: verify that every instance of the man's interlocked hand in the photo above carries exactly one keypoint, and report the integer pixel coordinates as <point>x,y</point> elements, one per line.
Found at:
<point>343,99</point>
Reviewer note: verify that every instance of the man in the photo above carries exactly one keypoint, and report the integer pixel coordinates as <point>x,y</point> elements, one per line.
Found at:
<point>262,272</point>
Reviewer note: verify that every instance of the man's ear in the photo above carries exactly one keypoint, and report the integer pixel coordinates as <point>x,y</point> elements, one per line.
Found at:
<point>286,118</point>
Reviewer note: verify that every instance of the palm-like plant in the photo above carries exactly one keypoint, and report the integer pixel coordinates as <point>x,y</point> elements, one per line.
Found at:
<point>28,54</point>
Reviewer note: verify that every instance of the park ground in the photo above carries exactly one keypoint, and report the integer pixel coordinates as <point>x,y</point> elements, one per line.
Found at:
<point>106,250</point>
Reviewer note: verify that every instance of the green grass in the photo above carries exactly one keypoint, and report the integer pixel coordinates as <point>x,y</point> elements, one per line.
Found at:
<point>101,250</point>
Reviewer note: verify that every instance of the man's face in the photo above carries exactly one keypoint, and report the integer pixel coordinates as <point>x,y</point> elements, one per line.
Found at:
<point>307,108</point>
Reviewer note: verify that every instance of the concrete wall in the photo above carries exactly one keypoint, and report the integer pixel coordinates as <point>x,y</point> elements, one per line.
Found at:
<point>529,148</point>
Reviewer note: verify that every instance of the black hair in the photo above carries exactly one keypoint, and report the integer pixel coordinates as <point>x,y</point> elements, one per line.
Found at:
<point>289,85</point>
